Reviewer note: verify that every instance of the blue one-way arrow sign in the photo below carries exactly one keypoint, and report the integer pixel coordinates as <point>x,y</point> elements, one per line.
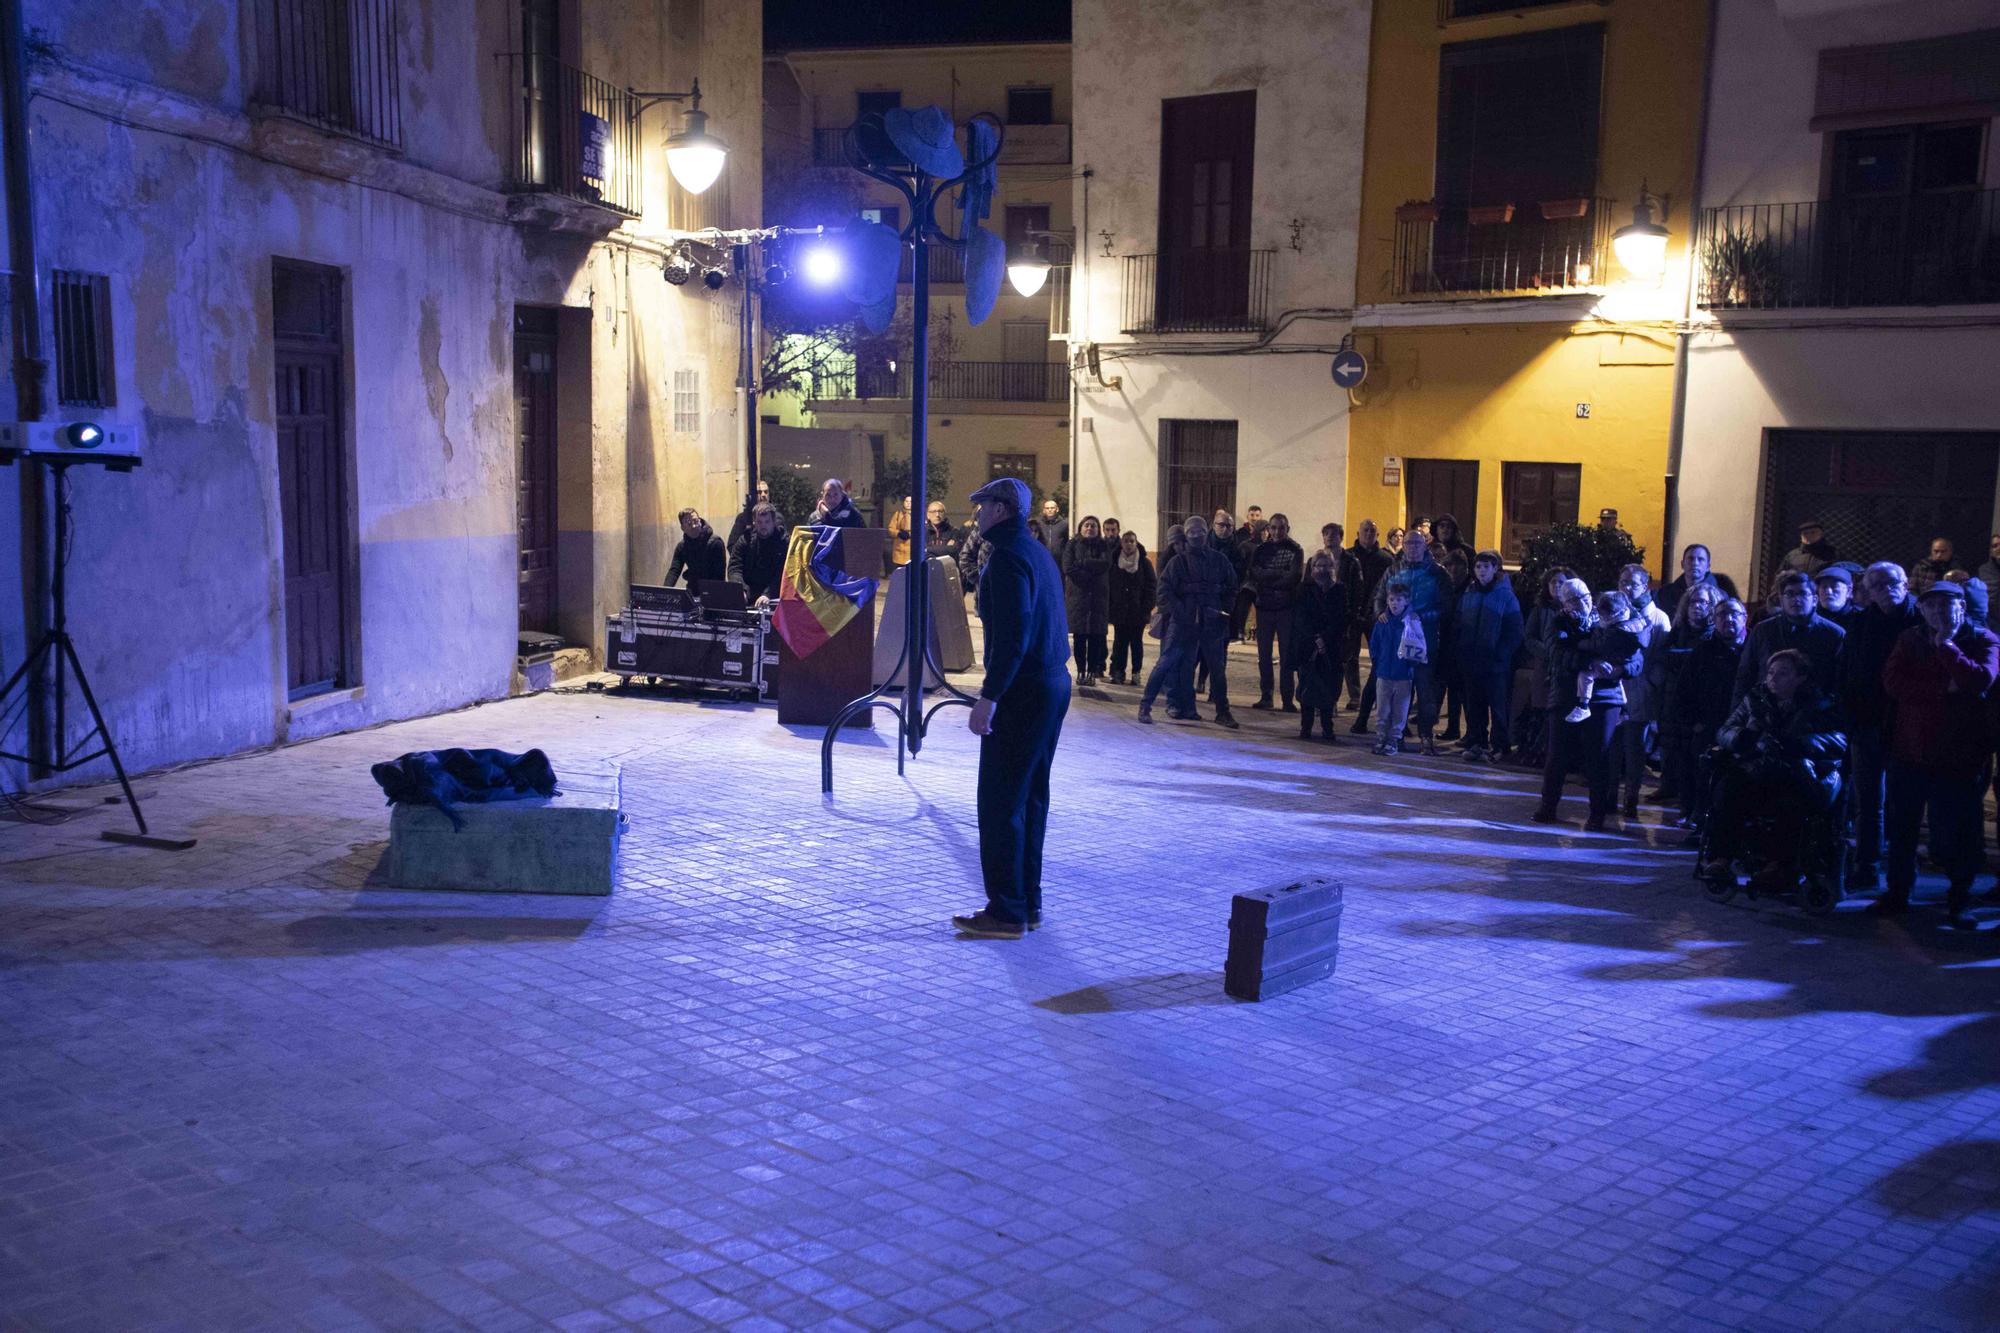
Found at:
<point>1349,369</point>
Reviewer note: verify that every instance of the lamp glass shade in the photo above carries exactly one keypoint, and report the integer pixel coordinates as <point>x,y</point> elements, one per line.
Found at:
<point>1641,245</point>
<point>1026,275</point>
<point>695,156</point>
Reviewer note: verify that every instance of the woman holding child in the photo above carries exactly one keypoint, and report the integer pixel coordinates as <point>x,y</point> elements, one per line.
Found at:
<point>1591,652</point>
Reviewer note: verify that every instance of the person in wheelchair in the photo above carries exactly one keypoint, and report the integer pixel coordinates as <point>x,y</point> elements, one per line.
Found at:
<point>1777,761</point>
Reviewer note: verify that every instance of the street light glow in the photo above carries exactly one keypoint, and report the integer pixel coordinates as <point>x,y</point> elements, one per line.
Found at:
<point>822,265</point>
<point>1027,274</point>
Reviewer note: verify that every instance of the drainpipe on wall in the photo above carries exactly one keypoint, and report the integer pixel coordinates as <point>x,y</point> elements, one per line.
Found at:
<point>1677,414</point>
<point>29,369</point>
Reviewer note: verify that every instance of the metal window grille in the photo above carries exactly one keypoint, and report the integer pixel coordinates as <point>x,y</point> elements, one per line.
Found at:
<point>687,400</point>
<point>85,375</point>
<point>335,63</point>
<point>1021,466</point>
<point>574,134</point>
<point>1197,470</point>
<point>1197,291</point>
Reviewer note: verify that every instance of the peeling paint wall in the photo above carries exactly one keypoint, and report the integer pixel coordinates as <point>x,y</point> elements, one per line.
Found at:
<point>1308,62</point>
<point>151,168</point>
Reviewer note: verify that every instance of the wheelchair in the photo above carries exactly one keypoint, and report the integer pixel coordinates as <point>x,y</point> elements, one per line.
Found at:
<point>1815,868</point>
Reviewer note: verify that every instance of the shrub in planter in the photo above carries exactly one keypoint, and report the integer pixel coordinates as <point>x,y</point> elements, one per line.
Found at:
<point>1552,209</point>
<point>1594,553</point>
<point>1490,215</point>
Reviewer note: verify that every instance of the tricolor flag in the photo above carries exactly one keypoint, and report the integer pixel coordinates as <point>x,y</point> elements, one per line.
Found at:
<point>816,599</point>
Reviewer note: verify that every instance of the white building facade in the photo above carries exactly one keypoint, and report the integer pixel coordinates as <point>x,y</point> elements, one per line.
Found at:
<point>380,287</point>
<point>1214,273</point>
<point>1846,305</point>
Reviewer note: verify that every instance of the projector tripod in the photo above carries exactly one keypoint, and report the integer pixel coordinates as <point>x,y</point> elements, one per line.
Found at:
<point>57,647</point>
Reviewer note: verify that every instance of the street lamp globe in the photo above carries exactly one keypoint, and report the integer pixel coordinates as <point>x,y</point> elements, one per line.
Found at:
<point>1641,245</point>
<point>1027,273</point>
<point>695,156</point>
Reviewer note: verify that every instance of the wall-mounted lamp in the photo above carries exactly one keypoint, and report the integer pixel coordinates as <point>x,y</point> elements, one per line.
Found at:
<point>1028,270</point>
<point>694,156</point>
<point>1641,245</point>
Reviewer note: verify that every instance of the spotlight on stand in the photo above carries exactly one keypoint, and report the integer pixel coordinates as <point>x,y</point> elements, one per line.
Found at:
<point>823,265</point>
<point>678,270</point>
<point>714,278</point>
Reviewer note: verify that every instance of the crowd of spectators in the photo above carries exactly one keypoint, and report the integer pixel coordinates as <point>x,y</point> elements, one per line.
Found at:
<point>1877,679</point>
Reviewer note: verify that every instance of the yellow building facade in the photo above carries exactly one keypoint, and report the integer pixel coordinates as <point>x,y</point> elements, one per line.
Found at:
<point>1519,370</point>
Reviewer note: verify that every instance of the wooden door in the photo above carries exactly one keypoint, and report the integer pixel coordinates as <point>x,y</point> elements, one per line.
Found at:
<point>1443,486</point>
<point>1207,157</point>
<point>312,477</point>
<point>535,453</point>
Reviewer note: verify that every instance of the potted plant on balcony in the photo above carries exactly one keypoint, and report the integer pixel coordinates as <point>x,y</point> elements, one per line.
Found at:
<point>1417,210</point>
<point>1743,270</point>
<point>1490,215</point>
<point>1554,210</point>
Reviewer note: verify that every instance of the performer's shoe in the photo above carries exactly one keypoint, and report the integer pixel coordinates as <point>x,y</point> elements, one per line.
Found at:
<point>980,925</point>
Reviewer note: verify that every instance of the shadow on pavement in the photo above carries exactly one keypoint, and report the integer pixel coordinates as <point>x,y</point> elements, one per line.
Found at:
<point>1173,990</point>
<point>1950,1181</point>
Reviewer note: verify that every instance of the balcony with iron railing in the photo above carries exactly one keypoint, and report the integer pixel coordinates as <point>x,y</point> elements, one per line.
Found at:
<point>966,381</point>
<point>947,264</point>
<point>333,63</point>
<point>1458,251</point>
<point>1926,249</point>
<point>571,134</point>
<point>1024,145</point>
<point>1197,291</point>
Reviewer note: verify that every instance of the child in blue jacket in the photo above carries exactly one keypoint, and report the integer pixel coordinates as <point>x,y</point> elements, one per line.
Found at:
<point>1396,646</point>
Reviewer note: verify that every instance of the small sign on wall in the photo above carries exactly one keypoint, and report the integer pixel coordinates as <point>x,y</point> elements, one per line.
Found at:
<point>1392,471</point>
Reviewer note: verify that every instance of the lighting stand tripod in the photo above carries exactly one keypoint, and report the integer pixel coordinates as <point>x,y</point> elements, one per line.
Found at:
<point>57,646</point>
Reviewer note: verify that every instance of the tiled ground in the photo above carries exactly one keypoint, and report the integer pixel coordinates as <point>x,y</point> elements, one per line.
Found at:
<point>763,1086</point>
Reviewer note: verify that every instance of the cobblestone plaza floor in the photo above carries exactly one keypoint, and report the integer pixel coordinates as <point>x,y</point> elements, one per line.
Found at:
<point>763,1086</point>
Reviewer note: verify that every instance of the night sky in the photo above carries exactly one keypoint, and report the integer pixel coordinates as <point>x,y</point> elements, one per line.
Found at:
<point>797,24</point>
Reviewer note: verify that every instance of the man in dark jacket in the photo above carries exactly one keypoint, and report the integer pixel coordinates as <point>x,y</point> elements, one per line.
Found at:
<point>1938,675</point>
<point>1019,715</point>
<point>1834,586</point>
<point>1489,637</point>
<point>1799,625</point>
<point>1989,574</point>
<point>1277,568</point>
<point>1196,589</point>
<point>1943,559</point>
<point>836,509</point>
<point>1889,612</point>
<point>1783,746</point>
<point>1055,530</point>
<point>941,538</point>
<point>757,558</point>
<point>745,519</point>
<point>700,554</point>
<point>1813,553</point>
<point>1373,562</point>
<point>1694,573</point>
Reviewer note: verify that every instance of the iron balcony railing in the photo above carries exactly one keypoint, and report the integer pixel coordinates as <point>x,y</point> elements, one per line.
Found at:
<point>1926,249</point>
<point>947,264</point>
<point>1059,289</point>
<point>830,147</point>
<point>334,63</point>
<point>1501,249</point>
<point>573,135</point>
<point>1197,291</point>
<point>970,381</point>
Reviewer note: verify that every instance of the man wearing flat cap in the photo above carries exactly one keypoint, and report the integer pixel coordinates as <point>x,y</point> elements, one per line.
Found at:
<point>1019,715</point>
<point>1937,678</point>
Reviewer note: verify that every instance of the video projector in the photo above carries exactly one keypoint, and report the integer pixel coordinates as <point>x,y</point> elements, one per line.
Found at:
<point>113,447</point>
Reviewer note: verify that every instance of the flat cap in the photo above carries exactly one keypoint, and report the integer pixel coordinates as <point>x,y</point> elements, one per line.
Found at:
<point>1011,491</point>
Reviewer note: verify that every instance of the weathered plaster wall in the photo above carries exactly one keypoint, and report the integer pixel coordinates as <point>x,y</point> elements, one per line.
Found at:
<point>1308,62</point>
<point>149,170</point>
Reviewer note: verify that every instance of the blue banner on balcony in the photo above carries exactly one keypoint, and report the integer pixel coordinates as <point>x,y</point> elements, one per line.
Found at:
<point>593,138</point>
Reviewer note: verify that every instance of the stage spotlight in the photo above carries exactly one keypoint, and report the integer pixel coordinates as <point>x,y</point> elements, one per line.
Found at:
<point>823,265</point>
<point>678,270</point>
<point>714,278</point>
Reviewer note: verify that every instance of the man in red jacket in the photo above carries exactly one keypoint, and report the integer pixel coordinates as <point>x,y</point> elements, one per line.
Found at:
<point>1938,675</point>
